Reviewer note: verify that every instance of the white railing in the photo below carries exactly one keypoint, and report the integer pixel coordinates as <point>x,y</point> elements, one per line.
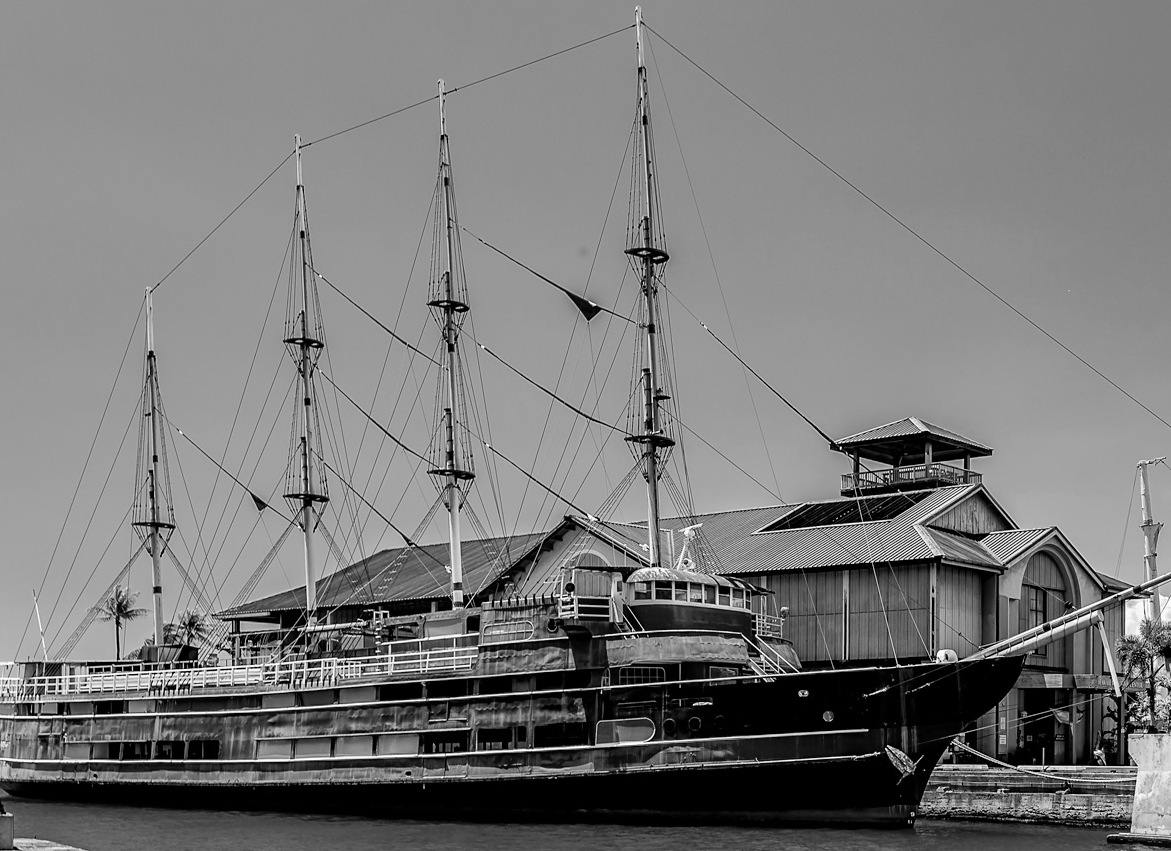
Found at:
<point>451,655</point>
<point>769,626</point>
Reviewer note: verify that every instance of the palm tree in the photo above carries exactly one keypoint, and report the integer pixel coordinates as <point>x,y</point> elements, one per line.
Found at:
<point>1147,655</point>
<point>191,628</point>
<point>119,608</point>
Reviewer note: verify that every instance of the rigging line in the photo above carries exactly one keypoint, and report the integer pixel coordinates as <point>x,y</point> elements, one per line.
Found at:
<point>457,88</point>
<point>548,281</point>
<point>939,252</point>
<point>373,319</point>
<point>97,563</point>
<point>489,447</point>
<point>198,531</point>
<point>386,358</point>
<point>85,466</point>
<point>549,393</point>
<point>223,469</point>
<point>368,416</point>
<point>56,602</point>
<point>406,538</point>
<point>715,270</point>
<point>699,437</point>
<point>223,221</point>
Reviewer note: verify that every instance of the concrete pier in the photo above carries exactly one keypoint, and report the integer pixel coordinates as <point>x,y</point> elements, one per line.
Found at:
<point>1150,822</point>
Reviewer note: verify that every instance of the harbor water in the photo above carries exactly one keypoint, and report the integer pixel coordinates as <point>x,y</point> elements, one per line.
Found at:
<point>114,828</point>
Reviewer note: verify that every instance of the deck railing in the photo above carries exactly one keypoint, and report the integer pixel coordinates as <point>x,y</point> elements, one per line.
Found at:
<point>769,626</point>
<point>441,655</point>
<point>914,474</point>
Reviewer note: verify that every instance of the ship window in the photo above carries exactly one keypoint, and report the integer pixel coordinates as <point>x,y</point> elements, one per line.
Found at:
<point>625,730</point>
<point>135,750</point>
<point>446,741</point>
<point>642,590</point>
<point>274,749</point>
<point>448,688</point>
<point>695,594</point>
<point>494,740</point>
<point>681,591</point>
<point>738,600</point>
<point>203,749</point>
<point>635,675</point>
<point>720,671</point>
<point>398,743</point>
<point>110,707</point>
<point>77,750</point>
<point>709,593</point>
<point>725,600</point>
<point>437,711</point>
<point>496,685</point>
<point>315,747</point>
<point>169,750</point>
<point>560,735</point>
<point>400,691</point>
<point>354,746</point>
<point>662,590</point>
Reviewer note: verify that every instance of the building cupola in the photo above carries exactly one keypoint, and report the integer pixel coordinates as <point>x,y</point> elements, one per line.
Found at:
<point>913,453</point>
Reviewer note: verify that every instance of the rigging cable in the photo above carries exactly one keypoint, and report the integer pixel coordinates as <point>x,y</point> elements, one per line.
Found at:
<point>80,478</point>
<point>953,263</point>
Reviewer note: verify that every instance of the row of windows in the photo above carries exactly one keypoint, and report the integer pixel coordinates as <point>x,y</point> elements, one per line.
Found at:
<point>141,750</point>
<point>692,592</point>
<point>434,742</point>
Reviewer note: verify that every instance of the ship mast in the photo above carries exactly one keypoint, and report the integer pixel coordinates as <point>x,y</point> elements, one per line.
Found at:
<point>1151,531</point>
<point>448,303</point>
<point>154,515</point>
<point>305,341</point>
<point>645,248</point>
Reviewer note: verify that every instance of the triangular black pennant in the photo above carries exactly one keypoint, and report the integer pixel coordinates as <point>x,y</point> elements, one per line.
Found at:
<point>588,309</point>
<point>260,503</point>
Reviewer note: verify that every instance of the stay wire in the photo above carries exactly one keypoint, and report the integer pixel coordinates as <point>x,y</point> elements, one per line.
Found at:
<point>939,252</point>
<point>223,221</point>
<point>451,91</point>
<point>85,466</point>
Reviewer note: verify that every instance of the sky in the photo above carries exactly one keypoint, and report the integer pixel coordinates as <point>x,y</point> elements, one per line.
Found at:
<point>1025,142</point>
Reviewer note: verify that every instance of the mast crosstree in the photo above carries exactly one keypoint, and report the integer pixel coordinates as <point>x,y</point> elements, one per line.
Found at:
<point>650,439</point>
<point>305,482</point>
<point>448,301</point>
<point>154,513</point>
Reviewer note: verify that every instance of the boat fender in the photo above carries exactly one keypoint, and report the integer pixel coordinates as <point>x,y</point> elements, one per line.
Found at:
<point>669,726</point>
<point>946,656</point>
<point>553,625</point>
<point>694,723</point>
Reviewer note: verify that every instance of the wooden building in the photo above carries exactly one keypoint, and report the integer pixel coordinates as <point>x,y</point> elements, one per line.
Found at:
<point>912,558</point>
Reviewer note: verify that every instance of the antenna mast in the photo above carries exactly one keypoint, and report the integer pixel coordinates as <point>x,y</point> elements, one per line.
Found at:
<point>305,341</point>
<point>154,516</point>
<point>1151,531</point>
<point>448,303</point>
<point>645,248</point>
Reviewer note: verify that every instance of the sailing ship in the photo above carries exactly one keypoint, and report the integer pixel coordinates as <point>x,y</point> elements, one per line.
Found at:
<point>662,692</point>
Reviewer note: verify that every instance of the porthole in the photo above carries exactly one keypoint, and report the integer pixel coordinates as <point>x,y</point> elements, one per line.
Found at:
<point>827,716</point>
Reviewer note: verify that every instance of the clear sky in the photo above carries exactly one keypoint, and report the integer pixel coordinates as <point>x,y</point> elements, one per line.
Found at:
<point>1027,141</point>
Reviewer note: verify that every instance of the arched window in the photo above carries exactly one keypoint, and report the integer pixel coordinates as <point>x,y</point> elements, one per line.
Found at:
<point>1044,597</point>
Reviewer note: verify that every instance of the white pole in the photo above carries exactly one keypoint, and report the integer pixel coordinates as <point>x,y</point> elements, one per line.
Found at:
<point>40,626</point>
<point>1151,531</point>
<point>156,550</point>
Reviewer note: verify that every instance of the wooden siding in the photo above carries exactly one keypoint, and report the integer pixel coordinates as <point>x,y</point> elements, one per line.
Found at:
<point>815,610</point>
<point>890,607</point>
<point>959,609</point>
<point>1042,572</point>
<point>974,516</point>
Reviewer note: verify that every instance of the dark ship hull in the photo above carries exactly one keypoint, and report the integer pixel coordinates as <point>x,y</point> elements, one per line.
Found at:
<point>832,747</point>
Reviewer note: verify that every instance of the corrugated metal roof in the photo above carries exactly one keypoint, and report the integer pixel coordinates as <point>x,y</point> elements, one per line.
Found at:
<point>1006,546</point>
<point>403,573</point>
<point>959,548</point>
<point>907,427</point>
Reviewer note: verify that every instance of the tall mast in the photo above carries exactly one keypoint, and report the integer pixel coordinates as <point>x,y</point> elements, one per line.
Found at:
<point>305,340</point>
<point>448,303</point>
<point>1151,531</point>
<point>645,247</point>
<point>154,516</point>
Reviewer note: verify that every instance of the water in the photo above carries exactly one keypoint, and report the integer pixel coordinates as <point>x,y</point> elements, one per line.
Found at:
<point>108,828</point>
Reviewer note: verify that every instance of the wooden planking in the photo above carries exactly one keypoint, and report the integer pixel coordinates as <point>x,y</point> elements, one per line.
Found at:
<point>890,606</point>
<point>976,515</point>
<point>958,609</point>
<point>815,610</point>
